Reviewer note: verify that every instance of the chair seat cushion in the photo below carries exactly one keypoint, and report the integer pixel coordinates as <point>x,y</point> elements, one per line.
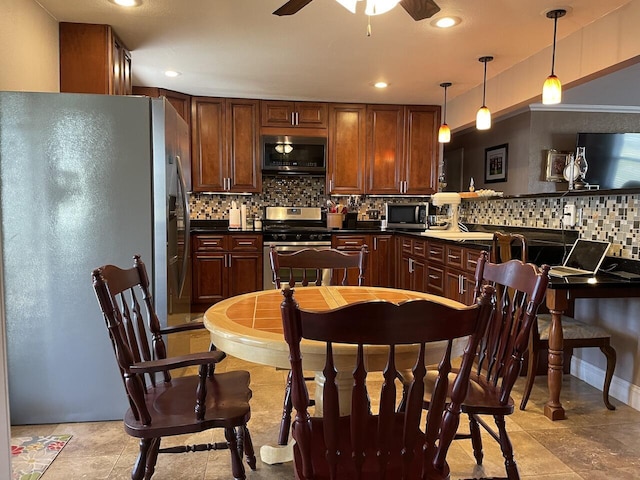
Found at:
<point>172,405</point>
<point>482,396</point>
<point>571,328</point>
<point>346,467</point>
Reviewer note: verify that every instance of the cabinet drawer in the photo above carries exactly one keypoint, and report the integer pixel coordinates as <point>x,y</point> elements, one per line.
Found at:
<point>420,248</point>
<point>435,252</point>
<point>406,245</point>
<point>245,243</point>
<point>208,243</point>
<point>435,280</point>
<point>349,242</point>
<point>454,256</point>
<point>471,260</point>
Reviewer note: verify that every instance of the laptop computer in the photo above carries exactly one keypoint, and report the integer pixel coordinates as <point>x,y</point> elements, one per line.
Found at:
<point>585,258</point>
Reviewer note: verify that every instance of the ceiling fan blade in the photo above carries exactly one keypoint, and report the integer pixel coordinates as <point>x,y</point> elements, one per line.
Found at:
<point>291,7</point>
<point>420,9</point>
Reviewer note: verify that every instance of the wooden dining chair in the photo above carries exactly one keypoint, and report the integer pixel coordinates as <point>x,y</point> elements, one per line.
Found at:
<point>311,263</point>
<point>519,290</point>
<point>341,267</point>
<point>389,444</point>
<point>168,406</point>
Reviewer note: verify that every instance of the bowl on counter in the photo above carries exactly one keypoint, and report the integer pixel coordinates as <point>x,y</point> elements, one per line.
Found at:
<point>438,222</point>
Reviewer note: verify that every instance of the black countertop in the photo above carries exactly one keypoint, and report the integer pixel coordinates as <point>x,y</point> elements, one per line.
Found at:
<point>545,246</point>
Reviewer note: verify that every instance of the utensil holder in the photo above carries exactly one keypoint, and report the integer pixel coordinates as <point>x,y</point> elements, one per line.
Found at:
<point>334,220</point>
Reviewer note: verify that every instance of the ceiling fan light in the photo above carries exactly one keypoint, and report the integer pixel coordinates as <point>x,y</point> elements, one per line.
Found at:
<point>552,90</point>
<point>378,7</point>
<point>349,4</point>
<point>444,133</point>
<point>483,119</point>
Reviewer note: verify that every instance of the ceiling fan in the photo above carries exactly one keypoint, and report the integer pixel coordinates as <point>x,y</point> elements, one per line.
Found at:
<point>418,9</point>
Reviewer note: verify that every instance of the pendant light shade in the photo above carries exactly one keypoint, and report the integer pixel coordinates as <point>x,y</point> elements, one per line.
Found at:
<point>552,88</point>
<point>483,117</point>
<point>444,133</point>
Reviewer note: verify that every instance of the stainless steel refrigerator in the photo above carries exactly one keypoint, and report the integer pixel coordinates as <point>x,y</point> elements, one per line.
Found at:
<point>85,180</point>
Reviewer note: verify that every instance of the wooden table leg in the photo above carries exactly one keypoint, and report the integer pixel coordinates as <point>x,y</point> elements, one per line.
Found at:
<point>557,303</point>
<point>271,454</point>
<point>344,382</point>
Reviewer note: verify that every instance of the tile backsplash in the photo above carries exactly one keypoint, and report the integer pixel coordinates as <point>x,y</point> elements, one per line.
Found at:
<point>615,218</point>
<point>280,191</point>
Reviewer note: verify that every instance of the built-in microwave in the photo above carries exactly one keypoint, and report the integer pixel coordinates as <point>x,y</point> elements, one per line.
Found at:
<point>294,155</point>
<point>408,216</point>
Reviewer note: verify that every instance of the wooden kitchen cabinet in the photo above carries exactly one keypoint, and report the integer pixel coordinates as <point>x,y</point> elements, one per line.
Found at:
<point>412,270</point>
<point>381,263</point>
<point>353,243</point>
<point>402,154</point>
<point>225,145</point>
<point>182,105</point>
<point>275,113</point>
<point>93,60</point>
<point>436,279</point>
<point>451,271</point>
<point>421,150</point>
<point>347,139</point>
<point>180,101</point>
<point>224,265</point>
<point>385,127</point>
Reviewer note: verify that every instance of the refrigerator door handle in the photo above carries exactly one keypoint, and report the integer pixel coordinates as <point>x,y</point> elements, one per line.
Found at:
<point>187,226</point>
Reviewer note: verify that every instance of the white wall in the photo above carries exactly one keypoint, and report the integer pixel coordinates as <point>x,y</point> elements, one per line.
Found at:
<point>28,48</point>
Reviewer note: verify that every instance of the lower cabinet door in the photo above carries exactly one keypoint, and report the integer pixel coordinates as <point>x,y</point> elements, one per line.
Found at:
<point>245,273</point>
<point>209,271</point>
<point>381,271</point>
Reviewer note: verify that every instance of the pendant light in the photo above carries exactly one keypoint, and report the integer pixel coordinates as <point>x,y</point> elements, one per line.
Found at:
<point>552,88</point>
<point>483,117</point>
<point>444,134</point>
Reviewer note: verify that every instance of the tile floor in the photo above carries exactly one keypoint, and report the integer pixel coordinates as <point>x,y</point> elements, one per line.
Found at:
<point>592,443</point>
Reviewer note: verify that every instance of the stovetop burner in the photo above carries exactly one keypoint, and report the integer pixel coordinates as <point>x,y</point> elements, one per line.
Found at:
<point>295,224</point>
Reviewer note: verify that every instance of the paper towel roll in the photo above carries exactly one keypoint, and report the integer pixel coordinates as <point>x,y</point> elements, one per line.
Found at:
<point>234,218</point>
<point>243,216</point>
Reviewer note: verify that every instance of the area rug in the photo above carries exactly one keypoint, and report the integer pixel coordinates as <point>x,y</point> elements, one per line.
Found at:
<point>31,456</point>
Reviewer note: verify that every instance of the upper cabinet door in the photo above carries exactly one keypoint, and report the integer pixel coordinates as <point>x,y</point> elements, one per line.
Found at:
<point>421,152</point>
<point>347,149</point>
<point>243,145</point>
<point>93,60</point>
<point>313,115</point>
<point>208,146</point>
<point>385,135</point>
<point>225,145</point>
<point>293,114</point>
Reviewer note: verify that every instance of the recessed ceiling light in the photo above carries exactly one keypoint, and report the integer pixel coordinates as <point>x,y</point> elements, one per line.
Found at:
<point>172,73</point>
<point>446,22</point>
<point>381,84</point>
<point>127,3</point>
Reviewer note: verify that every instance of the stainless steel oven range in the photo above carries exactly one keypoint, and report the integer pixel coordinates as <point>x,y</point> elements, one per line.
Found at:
<point>291,229</point>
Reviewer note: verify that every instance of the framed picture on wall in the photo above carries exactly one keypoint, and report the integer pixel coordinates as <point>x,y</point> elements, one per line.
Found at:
<point>556,161</point>
<point>495,163</point>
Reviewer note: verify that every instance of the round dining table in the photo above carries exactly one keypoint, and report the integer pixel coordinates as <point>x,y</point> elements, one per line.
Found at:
<point>249,327</point>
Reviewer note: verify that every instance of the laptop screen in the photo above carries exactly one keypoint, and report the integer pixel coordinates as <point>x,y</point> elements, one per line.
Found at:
<point>587,255</point>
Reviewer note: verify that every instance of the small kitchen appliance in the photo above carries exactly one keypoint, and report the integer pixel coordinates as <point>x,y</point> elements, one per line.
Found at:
<point>449,201</point>
<point>407,216</point>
